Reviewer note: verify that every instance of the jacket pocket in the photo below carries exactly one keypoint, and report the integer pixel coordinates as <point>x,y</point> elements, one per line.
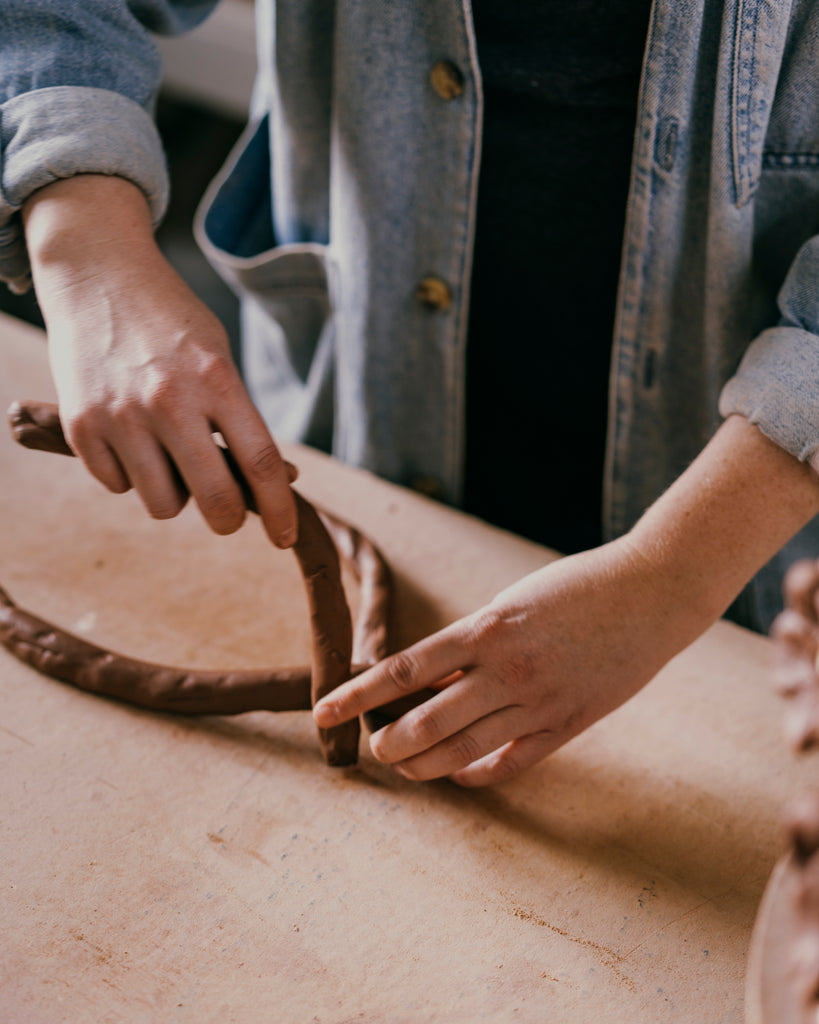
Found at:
<point>234,229</point>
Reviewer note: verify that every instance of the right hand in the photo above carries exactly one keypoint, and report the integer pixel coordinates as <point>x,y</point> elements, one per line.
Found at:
<point>142,367</point>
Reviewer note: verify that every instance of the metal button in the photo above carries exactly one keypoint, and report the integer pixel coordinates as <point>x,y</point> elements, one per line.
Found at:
<point>434,293</point>
<point>428,486</point>
<point>446,79</point>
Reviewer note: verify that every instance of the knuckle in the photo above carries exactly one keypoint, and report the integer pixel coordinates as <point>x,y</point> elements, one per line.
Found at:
<point>83,428</point>
<point>426,729</point>
<point>221,509</point>
<point>123,418</point>
<point>487,624</point>
<point>504,767</point>
<point>218,369</point>
<point>265,464</point>
<point>463,748</point>
<point>489,631</point>
<point>402,673</point>
<point>162,396</point>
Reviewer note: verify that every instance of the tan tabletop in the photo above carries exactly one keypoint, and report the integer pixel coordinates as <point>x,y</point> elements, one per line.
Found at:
<point>163,869</point>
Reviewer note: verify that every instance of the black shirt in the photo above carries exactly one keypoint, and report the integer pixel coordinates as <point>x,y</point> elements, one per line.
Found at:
<point>560,86</point>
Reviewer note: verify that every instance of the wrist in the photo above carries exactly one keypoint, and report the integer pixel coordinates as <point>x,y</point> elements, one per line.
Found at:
<point>678,596</point>
<point>86,225</point>
<point>734,507</point>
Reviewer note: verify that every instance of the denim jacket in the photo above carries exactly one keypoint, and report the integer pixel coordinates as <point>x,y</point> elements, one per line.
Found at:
<point>345,220</point>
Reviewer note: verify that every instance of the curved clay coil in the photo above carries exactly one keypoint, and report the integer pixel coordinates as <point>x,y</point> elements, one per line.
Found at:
<point>335,646</point>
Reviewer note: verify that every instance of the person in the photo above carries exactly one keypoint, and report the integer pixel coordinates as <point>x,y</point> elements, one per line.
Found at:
<point>396,155</point>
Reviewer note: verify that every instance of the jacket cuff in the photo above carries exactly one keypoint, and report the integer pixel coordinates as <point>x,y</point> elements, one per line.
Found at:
<point>62,131</point>
<point>777,388</point>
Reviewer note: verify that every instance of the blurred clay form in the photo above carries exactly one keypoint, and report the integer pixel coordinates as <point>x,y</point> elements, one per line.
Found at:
<point>783,970</point>
<point>335,644</point>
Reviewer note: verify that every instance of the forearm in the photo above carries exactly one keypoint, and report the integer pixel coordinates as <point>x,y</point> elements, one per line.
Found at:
<point>737,504</point>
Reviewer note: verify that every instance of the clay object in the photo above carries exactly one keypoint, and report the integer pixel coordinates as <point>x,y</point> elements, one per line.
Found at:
<point>782,979</point>
<point>783,962</point>
<point>331,627</point>
<point>334,645</point>
<point>67,657</point>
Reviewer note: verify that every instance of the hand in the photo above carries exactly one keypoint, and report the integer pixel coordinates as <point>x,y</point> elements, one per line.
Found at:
<point>142,367</point>
<point>548,657</point>
<point>566,645</point>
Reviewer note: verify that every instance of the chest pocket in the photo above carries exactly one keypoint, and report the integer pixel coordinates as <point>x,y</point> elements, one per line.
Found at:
<point>760,33</point>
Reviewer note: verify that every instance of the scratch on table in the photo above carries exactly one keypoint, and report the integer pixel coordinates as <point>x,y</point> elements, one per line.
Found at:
<point>220,840</point>
<point>16,736</point>
<point>607,956</point>
<point>673,921</point>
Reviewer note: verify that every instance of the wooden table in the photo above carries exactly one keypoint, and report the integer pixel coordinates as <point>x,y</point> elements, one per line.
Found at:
<point>162,869</point>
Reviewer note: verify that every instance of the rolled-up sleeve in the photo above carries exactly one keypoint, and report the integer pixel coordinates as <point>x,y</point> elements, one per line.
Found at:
<point>78,83</point>
<point>776,386</point>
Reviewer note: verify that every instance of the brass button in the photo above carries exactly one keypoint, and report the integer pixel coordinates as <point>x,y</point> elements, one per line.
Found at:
<point>446,79</point>
<point>434,293</point>
<point>428,486</point>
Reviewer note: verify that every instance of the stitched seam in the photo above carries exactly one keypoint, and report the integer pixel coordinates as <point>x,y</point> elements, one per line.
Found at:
<point>794,159</point>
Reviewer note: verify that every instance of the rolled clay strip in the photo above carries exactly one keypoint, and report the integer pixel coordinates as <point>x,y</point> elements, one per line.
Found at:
<point>67,657</point>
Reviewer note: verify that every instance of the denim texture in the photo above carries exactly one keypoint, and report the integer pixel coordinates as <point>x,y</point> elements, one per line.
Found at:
<point>78,81</point>
<point>356,180</point>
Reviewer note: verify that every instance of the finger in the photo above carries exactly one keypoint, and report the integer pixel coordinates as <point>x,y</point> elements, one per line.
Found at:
<point>449,712</point>
<point>208,478</point>
<point>795,653</point>
<point>103,464</point>
<point>465,747</point>
<point>795,632</point>
<point>86,439</point>
<point>422,665</point>
<point>802,824</point>
<point>147,466</point>
<point>509,760</point>
<point>800,586</point>
<point>267,474</point>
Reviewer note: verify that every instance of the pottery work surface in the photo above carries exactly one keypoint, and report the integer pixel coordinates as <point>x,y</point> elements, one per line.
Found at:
<point>203,870</point>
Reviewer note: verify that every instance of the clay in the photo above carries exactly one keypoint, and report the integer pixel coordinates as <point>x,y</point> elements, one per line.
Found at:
<point>71,659</point>
<point>331,627</point>
<point>64,656</point>
<point>782,981</point>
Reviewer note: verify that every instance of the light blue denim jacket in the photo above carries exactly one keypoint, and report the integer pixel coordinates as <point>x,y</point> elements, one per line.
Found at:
<point>356,180</point>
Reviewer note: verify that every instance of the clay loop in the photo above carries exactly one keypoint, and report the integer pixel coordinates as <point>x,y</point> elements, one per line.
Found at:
<point>335,647</point>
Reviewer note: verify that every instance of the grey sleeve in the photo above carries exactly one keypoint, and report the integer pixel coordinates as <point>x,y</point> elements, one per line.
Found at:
<point>78,82</point>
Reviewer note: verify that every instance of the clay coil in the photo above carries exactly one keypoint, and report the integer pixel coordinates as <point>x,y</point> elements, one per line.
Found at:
<point>335,646</point>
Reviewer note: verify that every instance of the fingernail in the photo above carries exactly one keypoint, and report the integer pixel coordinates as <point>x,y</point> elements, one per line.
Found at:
<point>325,715</point>
<point>375,743</point>
<point>287,539</point>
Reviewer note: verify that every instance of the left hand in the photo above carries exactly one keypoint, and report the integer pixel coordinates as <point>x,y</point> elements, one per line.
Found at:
<point>545,659</point>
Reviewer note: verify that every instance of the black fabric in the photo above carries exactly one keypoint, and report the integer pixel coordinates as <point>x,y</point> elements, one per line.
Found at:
<point>561,84</point>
